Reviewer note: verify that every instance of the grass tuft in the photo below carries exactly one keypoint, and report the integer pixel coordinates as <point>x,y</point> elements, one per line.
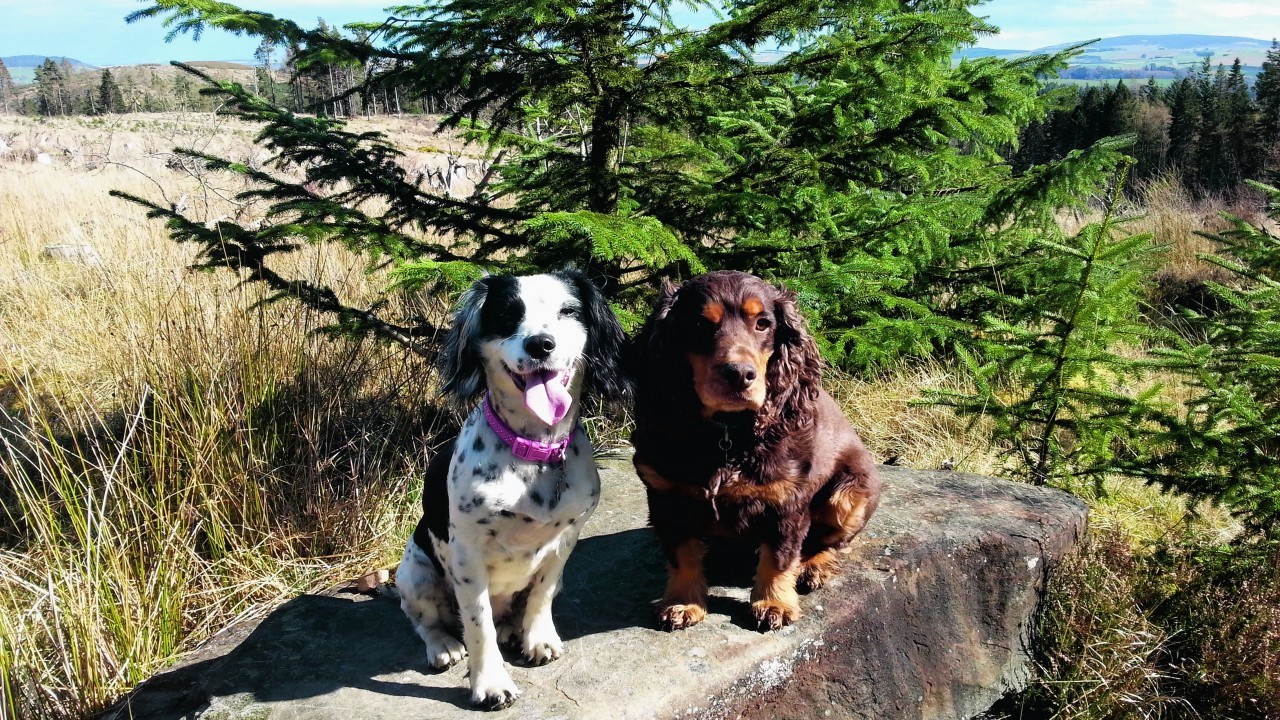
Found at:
<point>173,455</point>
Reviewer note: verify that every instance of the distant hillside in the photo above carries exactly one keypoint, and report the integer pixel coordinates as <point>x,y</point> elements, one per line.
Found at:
<point>1143,56</point>
<point>219,65</point>
<point>1175,42</point>
<point>148,87</point>
<point>22,68</point>
<point>31,61</point>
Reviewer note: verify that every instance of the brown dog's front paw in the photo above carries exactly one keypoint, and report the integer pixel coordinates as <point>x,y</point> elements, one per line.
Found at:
<point>677,617</point>
<point>813,577</point>
<point>818,570</point>
<point>773,615</point>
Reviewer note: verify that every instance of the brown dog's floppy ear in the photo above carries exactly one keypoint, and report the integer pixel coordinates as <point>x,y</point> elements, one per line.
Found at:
<point>652,338</point>
<point>795,369</point>
<point>648,356</point>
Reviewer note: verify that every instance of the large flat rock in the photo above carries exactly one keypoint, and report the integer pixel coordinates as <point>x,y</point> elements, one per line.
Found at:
<point>929,619</point>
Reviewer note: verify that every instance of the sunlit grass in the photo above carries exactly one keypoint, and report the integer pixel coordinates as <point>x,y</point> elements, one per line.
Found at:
<point>174,455</point>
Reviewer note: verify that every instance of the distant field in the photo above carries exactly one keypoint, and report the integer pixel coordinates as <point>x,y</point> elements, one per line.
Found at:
<point>1163,56</point>
<point>1142,54</point>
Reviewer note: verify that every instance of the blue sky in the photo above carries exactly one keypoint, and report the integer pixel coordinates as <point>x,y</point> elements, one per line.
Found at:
<point>1031,24</point>
<point>94,30</point>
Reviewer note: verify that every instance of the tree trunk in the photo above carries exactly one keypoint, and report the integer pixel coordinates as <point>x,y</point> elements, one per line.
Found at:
<point>602,171</point>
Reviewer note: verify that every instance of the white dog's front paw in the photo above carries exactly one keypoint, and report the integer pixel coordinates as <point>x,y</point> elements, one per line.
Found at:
<point>492,688</point>
<point>542,646</point>
<point>443,649</point>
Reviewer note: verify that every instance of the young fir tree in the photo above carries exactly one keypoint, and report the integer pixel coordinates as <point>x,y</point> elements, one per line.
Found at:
<point>1225,446</point>
<point>860,167</point>
<point>1048,361</point>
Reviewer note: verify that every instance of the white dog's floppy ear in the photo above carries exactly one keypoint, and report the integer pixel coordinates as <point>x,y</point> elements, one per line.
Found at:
<point>605,377</point>
<point>461,366</point>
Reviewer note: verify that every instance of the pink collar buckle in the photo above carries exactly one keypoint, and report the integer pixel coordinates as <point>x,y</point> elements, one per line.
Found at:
<point>523,447</point>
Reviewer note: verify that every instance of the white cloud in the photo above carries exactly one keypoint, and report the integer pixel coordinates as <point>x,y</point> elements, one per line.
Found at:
<point>1226,11</point>
<point>1038,23</point>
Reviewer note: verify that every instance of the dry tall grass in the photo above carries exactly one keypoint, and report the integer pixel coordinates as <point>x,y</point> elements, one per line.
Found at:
<point>173,455</point>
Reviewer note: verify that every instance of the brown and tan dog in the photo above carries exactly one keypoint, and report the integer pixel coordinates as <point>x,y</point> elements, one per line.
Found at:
<point>736,437</point>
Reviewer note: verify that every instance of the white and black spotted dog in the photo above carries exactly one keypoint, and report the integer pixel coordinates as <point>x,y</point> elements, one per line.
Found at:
<point>504,502</point>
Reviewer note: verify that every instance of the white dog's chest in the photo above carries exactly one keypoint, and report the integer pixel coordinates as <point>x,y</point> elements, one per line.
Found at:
<point>517,511</point>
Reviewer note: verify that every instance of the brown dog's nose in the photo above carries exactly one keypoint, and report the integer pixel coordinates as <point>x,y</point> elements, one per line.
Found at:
<point>739,376</point>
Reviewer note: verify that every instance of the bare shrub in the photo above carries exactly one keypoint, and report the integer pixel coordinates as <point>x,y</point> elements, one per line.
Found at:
<point>1224,601</point>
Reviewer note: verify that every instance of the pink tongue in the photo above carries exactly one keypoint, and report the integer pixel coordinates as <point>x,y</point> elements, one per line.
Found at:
<point>546,396</point>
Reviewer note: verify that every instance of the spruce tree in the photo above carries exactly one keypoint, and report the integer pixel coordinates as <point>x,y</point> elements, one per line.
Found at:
<point>265,55</point>
<point>1224,445</point>
<point>1150,92</point>
<point>1118,110</point>
<point>6,87</point>
<point>109,99</point>
<point>862,167</point>
<point>1267,91</point>
<point>51,90</point>
<point>1184,128</point>
<point>1047,356</point>
<point>1212,148</point>
<point>1242,148</point>
<point>184,92</point>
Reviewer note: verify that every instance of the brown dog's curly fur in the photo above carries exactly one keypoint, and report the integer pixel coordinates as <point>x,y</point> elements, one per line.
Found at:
<point>736,437</point>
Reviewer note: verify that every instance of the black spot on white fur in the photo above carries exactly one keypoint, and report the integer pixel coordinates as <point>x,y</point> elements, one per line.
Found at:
<point>487,332</point>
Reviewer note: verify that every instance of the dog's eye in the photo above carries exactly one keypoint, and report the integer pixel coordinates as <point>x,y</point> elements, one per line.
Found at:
<point>763,324</point>
<point>569,311</point>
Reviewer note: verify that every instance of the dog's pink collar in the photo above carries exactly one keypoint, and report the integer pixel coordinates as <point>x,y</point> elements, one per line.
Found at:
<point>522,447</point>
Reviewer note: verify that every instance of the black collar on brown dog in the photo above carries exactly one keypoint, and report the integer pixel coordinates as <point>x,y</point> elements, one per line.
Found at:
<point>728,423</point>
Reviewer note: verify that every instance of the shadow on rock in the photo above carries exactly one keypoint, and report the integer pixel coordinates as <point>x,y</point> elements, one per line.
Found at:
<point>308,647</point>
<point>316,644</point>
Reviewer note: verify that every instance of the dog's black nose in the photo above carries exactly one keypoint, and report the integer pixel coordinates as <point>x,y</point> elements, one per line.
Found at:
<point>739,376</point>
<point>539,346</point>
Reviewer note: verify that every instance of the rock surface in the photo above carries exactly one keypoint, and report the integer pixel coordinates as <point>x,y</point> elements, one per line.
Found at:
<point>929,619</point>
